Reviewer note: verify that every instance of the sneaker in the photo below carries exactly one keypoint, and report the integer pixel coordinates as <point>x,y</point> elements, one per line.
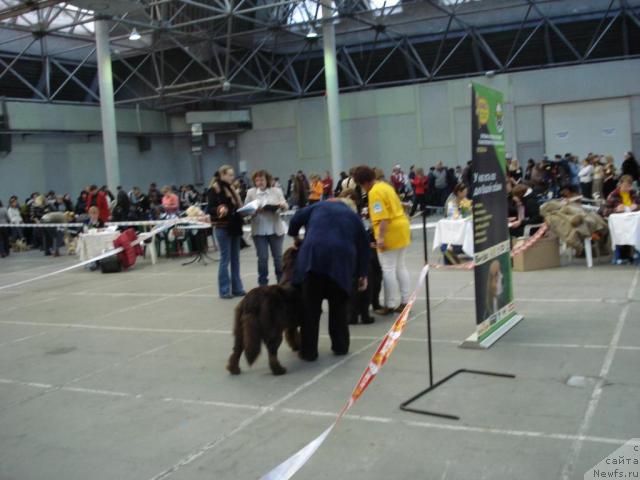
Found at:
<point>226,296</point>
<point>240,294</point>
<point>368,321</point>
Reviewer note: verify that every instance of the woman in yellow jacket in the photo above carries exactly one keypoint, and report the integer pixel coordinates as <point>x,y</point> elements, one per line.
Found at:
<point>391,231</point>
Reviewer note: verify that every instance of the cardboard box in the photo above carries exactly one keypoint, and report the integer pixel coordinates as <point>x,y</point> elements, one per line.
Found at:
<point>545,253</point>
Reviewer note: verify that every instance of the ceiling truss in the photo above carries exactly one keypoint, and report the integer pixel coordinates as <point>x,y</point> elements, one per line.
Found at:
<point>204,53</point>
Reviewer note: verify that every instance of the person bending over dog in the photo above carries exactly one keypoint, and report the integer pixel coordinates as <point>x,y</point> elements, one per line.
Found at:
<point>335,250</point>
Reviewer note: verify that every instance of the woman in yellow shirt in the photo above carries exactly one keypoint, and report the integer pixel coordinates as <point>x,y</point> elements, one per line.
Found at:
<point>391,231</point>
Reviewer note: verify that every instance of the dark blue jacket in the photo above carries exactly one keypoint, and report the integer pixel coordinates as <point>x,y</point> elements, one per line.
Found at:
<point>335,243</point>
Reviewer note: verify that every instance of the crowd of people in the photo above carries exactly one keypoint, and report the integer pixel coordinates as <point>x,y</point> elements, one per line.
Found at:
<point>342,258</point>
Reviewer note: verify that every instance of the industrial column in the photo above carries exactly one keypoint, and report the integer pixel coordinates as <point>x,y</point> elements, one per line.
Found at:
<point>107,107</point>
<point>332,89</point>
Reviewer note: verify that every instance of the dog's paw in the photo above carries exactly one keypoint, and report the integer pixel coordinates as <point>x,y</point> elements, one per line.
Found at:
<point>278,370</point>
<point>233,369</point>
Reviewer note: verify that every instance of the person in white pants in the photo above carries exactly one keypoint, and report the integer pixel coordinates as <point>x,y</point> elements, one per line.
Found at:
<point>392,237</point>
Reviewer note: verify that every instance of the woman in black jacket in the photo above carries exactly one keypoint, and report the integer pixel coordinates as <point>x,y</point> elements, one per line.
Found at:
<point>223,203</point>
<point>527,207</point>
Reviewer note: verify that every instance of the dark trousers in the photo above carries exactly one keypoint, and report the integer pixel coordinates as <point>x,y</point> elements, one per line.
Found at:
<point>4,241</point>
<point>375,279</point>
<point>420,200</point>
<point>359,304</point>
<point>316,288</point>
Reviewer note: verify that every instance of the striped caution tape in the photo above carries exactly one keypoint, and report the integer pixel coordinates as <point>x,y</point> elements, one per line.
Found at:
<point>141,223</point>
<point>530,242</point>
<point>141,238</point>
<point>289,467</point>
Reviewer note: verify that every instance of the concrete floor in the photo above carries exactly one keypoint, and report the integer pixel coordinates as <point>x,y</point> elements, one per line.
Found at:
<point>122,376</point>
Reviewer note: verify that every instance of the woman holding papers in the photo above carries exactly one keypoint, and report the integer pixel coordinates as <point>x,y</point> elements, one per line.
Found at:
<point>267,228</point>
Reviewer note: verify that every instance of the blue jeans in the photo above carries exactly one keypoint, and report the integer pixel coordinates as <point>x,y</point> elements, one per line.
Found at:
<point>229,254</point>
<point>263,243</point>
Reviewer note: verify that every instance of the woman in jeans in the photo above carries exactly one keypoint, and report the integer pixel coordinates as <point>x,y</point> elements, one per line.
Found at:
<point>223,205</point>
<point>267,229</point>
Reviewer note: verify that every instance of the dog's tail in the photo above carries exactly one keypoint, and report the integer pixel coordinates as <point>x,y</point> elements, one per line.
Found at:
<point>251,337</point>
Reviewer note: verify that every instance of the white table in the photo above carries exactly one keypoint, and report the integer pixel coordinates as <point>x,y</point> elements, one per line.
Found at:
<point>95,243</point>
<point>455,232</point>
<point>624,229</point>
<point>92,244</point>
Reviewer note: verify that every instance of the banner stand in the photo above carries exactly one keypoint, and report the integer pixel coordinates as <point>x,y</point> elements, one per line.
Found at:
<point>472,340</point>
<point>432,386</point>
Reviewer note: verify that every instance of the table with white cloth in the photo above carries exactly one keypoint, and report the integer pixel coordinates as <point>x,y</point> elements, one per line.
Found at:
<point>94,243</point>
<point>97,242</point>
<point>455,232</point>
<point>624,229</point>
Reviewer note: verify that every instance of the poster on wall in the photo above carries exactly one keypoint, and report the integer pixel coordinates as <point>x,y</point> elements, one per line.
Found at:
<point>495,312</point>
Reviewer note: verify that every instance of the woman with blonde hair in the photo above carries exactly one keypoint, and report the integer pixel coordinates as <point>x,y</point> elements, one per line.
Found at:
<point>223,204</point>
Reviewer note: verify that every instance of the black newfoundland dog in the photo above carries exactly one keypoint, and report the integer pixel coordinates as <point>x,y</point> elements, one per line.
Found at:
<point>263,315</point>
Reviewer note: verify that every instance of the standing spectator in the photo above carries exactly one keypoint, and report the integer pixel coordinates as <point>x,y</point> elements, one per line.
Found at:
<point>440,184</point>
<point>267,228</point>
<point>81,203</point>
<point>531,163</point>
<point>154,196</point>
<point>289,193</point>
<point>398,180</point>
<point>15,217</point>
<point>300,193</point>
<point>459,175</point>
<point>5,246</point>
<point>343,177</point>
<point>121,210</point>
<point>585,174</point>
<point>609,183</point>
<point>335,252</point>
<point>391,231</point>
<point>316,190</point>
<point>98,198</point>
<point>223,203</point>
<point>327,186</point>
<point>515,171</point>
<point>420,185</point>
<point>630,167</point>
<point>598,178</point>
<point>170,201</point>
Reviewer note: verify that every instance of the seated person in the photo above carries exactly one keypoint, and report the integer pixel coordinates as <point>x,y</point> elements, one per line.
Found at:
<point>622,199</point>
<point>528,210</point>
<point>457,206</point>
<point>94,220</point>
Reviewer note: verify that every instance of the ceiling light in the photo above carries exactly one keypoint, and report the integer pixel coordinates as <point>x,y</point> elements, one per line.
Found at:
<point>134,35</point>
<point>312,33</point>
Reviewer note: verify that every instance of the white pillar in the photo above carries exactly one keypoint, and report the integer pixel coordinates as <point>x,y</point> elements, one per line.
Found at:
<point>332,89</point>
<point>107,107</point>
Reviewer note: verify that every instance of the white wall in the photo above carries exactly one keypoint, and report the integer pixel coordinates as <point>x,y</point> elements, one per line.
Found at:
<point>425,123</point>
<point>66,162</point>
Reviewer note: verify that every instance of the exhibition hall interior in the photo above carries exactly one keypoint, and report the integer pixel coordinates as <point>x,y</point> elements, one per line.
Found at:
<point>319,239</point>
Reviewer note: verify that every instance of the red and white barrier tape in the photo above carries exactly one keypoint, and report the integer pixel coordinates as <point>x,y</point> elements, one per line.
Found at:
<point>141,238</point>
<point>289,467</point>
<point>530,242</point>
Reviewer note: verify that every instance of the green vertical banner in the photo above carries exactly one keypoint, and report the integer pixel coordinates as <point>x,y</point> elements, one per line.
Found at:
<point>495,312</point>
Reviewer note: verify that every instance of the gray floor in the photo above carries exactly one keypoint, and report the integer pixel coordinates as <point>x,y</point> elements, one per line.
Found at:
<point>122,376</point>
